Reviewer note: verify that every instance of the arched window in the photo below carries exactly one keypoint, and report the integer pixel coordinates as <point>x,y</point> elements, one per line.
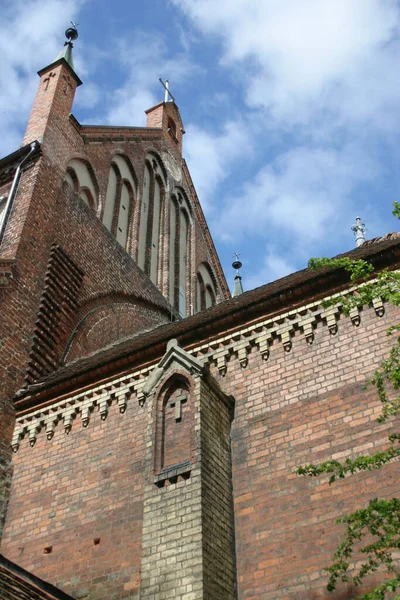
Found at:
<point>179,250</point>
<point>81,180</point>
<point>150,227</point>
<point>183,250</point>
<point>118,208</point>
<point>172,127</point>
<point>114,180</point>
<point>205,288</point>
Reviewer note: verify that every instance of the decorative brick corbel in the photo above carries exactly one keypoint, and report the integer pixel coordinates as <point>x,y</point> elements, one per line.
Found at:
<point>377,303</point>
<point>307,326</point>
<point>68,418</point>
<point>221,361</point>
<point>33,430</point>
<point>355,316</point>
<point>50,423</point>
<point>17,436</point>
<point>103,401</point>
<point>330,316</point>
<point>263,343</point>
<point>86,410</point>
<point>285,333</point>
<point>242,350</point>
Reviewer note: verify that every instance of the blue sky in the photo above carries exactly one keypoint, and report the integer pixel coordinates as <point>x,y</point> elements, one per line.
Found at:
<point>291,108</point>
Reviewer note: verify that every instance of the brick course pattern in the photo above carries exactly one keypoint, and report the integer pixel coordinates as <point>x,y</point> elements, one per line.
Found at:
<point>302,405</point>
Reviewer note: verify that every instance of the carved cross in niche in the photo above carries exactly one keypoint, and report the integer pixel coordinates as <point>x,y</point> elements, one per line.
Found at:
<point>67,86</point>
<point>177,399</point>
<point>47,80</point>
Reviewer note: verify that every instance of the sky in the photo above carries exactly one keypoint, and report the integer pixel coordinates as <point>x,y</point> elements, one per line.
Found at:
<point>291,108</point>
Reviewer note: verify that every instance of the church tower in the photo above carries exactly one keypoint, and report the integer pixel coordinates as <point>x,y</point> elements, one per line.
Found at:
<point>102,237</point>
<point>55,94</point>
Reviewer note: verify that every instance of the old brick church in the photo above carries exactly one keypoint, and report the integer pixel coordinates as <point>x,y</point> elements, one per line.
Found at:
<point>150,425</point>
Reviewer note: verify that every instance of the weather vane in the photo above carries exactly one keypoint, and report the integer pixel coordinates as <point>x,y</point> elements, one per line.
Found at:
<point>236,263</point>
<point>71,34</point>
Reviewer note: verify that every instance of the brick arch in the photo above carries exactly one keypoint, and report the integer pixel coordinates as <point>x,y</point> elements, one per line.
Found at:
<point>152,154</point>
<point>204,277</point>
<point>179,443</point>
<point>128,161</point>
<point>187,204</point>
<point>107,320</point>
<point>92,177</point>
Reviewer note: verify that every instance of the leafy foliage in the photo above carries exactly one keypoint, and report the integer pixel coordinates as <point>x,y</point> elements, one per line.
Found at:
<point>373,531</point>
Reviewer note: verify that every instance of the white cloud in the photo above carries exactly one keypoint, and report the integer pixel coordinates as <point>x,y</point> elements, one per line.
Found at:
<point>274,266</point>
<point>316,76</point>
<point>302,193</point>
<point>305,55</point>
<point>142,68</point>
<point>210,157</point>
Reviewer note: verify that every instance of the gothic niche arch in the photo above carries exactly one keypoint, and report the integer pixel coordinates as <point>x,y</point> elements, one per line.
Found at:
<point>179,251</point>
<point>174,426</point>
<point>79,177</point>
<point>120,197</point>
<point>151,225</point>
<point>205,288</point>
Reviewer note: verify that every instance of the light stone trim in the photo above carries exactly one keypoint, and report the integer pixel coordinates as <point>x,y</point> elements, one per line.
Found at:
<point>122,390</point>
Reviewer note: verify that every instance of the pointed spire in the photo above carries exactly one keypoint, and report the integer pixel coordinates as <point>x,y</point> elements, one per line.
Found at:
<point>71,34</point>
<point>237,286</point>
<point>359,230</point>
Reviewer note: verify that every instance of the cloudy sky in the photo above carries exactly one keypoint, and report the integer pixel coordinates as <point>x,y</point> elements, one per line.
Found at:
<point>291,108</point>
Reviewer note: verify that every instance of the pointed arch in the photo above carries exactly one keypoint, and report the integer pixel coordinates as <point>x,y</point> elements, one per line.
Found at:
<point>206,295</point>
<point>151,226</point>
<point>120,198</point>
<point>81,178</point>
<point>180,225</point>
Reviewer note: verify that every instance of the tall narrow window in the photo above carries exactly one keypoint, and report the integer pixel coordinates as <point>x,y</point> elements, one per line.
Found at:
<point>111,196</point>
<point>173,230</point>
<point>183,239</point>
<point>144,215</point>
<point>155,232</point>
<point>118,208</point>
<point>205,288</point>
<point>80,178</point>
<point>151,224</point>
<point>179,251</point>
<point>124,214</point>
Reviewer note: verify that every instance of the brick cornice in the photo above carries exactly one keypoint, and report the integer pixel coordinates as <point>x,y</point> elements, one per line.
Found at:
<point>248,311</point>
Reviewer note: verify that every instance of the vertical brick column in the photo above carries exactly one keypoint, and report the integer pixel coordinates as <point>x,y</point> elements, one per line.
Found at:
<point>218,539</point>
<point>53,101</point>
<point>188,529</point>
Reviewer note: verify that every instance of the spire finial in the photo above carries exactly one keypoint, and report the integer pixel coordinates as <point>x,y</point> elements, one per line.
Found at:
<point>359,230</point>
<point>71,34</point>
<point>237,286</point>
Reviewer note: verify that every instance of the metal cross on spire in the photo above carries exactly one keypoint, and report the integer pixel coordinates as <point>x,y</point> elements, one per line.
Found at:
<point>166,88</point>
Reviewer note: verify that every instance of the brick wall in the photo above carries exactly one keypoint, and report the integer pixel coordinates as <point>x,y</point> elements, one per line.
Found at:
<point>83,499</point>
<point>306,405</point>
<point>302,405</point>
